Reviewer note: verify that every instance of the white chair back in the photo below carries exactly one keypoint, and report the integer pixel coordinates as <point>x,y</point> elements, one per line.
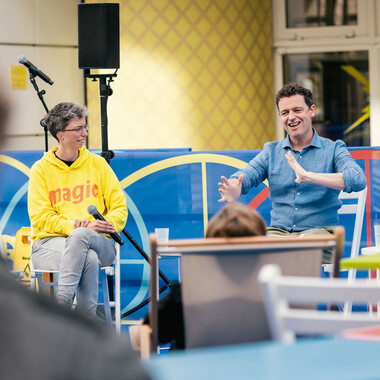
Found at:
<point>283,296</point>
<point>358,209</point>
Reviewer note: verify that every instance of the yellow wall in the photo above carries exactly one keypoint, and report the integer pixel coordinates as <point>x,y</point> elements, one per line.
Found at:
<point>193,73</point>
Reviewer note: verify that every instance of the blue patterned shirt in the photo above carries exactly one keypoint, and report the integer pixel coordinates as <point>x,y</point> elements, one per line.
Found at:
<point>297,207</point>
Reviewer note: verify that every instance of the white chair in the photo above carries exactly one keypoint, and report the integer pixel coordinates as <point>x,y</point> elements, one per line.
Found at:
<point>352,203</point>
<point>283,296</point>
<point>358,209</point>
<point>105,272</point>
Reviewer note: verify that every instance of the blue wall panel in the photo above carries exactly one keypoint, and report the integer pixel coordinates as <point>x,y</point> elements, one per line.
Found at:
<point>169,188</point>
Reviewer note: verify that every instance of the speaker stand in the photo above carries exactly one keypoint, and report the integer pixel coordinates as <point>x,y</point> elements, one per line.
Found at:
<point>106,91</point>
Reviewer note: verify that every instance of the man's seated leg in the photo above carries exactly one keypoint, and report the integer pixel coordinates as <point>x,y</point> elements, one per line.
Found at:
<point>274,231</point>
<point>327,253</point>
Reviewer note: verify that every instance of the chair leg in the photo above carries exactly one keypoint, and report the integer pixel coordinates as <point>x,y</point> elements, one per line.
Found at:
<point>33,280</point>
<point>348,304</point>
<point>140,337</point>
<point>117,304</point>
<point>40,283</point>
<point>41,277</point>
<point>110,288</point>
<point>52,289</point>
<point>106,298</point>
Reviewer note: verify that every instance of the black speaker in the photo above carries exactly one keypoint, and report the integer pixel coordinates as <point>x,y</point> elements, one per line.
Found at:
<point>98,36</point>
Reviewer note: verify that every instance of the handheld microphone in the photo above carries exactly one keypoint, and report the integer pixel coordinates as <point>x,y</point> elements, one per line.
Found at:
<point>95,213</point>
<point>33,69</point>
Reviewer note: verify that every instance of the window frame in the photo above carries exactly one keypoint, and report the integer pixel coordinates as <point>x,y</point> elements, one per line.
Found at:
<point>284,34</point>
<point>373,63</point>
<point>332,39</point>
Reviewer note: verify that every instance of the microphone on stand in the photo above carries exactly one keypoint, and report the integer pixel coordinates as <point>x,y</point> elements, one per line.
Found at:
<point>95,213</point>
<point>33,69</point>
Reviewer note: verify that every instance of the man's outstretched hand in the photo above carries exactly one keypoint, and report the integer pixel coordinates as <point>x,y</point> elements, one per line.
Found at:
<point>230,190</point>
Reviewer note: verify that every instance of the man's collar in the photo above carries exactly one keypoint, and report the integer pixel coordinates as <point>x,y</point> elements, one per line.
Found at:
<point>315,141</point>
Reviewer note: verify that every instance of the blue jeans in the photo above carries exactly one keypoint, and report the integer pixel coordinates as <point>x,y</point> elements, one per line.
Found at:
<point>78,259</point>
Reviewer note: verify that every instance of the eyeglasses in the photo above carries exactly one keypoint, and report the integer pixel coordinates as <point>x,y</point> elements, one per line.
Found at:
<point>79,129</point>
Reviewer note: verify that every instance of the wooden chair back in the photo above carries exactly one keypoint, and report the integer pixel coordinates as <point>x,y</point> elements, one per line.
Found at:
<point>221,297</point>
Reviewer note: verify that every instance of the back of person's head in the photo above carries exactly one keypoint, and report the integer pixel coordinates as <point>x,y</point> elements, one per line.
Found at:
<point>4,113</point>
<point>60,116</point>
<point>236,220</point>
<point>292,89</point>
<point>5,110</point>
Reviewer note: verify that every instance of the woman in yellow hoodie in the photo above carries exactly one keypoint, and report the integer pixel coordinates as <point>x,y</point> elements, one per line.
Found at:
<point>62,185</point>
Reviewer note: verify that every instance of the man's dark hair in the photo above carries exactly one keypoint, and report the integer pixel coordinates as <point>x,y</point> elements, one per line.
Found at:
<point>60,116</point>
<point>292,89</point>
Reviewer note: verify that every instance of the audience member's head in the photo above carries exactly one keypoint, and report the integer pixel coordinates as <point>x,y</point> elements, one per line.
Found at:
<point>4,113</point>
<point>236,220</point>
<point>4,116</point>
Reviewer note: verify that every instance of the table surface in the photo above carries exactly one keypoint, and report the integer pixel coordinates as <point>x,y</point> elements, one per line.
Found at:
<point>362,262</point>
<point>307,359</point>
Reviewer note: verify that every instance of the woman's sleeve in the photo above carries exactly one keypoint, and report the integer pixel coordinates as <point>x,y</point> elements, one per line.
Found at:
<point>43,217</point>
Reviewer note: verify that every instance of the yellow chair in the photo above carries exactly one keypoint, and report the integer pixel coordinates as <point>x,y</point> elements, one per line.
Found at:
<point>21,263</point>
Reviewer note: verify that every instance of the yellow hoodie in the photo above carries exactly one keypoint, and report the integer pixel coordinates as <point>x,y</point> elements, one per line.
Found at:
<point>58,194</point>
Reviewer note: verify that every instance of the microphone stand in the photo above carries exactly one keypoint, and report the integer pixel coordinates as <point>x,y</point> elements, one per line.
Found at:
<point>32,76</point>
<point>106,91</point>
<point>149,260</point>
<point>40,94</point>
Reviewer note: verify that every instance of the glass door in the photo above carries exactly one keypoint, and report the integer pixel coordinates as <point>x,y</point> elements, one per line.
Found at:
<point>340,85</point>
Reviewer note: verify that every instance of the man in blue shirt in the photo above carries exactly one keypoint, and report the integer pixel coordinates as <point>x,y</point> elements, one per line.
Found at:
<point>305,172</point>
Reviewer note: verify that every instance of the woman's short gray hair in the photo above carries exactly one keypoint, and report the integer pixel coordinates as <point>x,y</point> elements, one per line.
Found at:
<point>60,116</point>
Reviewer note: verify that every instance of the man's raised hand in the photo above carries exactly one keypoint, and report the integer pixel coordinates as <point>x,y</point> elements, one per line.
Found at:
<point>301,173</point>
<point>230,190</point>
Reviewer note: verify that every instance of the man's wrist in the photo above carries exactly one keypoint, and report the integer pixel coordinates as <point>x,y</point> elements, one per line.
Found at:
<point>308,177</point>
